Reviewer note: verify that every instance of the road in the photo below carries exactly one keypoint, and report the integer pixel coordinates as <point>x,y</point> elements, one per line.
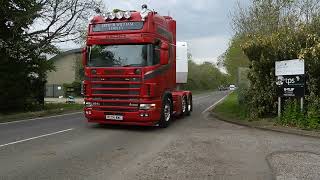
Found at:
<point>195,147</point>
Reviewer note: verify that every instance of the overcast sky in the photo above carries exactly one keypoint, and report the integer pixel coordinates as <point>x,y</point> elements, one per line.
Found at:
<point>204,24</point>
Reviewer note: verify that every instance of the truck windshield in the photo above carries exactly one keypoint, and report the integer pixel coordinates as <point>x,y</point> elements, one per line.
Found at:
<point>122,55</point>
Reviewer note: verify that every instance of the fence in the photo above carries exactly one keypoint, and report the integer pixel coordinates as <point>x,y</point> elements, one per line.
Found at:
<point>54,90</point>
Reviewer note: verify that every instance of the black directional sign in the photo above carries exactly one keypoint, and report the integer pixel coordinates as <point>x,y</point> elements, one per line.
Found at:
<point>291,86</point>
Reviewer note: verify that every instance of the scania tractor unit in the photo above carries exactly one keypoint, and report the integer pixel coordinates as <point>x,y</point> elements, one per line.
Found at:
<point>133,68</point>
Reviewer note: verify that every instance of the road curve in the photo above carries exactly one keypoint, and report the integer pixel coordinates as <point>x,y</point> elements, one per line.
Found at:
<point>195,147</point>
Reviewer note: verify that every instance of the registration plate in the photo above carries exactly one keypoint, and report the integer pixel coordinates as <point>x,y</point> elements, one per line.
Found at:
<point>114,117</point>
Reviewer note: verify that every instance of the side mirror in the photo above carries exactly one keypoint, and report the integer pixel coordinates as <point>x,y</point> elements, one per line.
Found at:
<point>84,56</point>
<point>164,57</point>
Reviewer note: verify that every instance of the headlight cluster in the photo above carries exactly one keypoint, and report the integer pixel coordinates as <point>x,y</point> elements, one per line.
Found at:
<point>118,15</point>
<point>90,104</point>
<point>147,106</point>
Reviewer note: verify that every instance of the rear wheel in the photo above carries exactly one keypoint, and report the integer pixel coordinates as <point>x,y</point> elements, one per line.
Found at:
<point>184,106</point>
<point>166,113</point>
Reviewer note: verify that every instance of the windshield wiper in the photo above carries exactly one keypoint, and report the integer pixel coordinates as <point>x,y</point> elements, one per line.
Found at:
<point>130,65</point>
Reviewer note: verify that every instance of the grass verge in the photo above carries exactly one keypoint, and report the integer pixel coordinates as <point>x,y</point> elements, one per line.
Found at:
<point>49,110</point>
<point>231,111</point>
<point>230,108</point>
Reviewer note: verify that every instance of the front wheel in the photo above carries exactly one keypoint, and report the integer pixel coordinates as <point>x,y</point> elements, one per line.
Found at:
<point>166,113</point>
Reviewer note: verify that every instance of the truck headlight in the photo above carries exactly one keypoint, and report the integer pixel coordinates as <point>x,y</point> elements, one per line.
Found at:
<point>147,106</point>
<point>88,104</point>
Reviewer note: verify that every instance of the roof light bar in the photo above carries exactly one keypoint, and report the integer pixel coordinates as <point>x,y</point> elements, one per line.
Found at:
<point>119,15</point>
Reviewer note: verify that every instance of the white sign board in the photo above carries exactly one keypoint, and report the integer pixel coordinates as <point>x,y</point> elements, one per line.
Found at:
<point>290,67</point>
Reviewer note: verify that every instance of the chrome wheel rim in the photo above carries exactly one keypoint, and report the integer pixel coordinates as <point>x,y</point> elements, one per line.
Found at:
<point>167,111</point>
<point>184,105</point>
<point>189,105</point>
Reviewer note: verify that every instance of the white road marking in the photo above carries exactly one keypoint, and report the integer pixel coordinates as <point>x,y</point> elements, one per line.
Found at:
<point>19,121</point>
<point>213,105</point>
<point>36,137</point>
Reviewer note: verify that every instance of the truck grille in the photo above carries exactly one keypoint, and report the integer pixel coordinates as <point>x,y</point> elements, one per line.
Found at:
<point>116,94</point>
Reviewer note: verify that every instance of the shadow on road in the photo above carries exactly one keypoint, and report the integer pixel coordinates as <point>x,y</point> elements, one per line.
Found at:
<point>174,123</point>
<point>124,127</point>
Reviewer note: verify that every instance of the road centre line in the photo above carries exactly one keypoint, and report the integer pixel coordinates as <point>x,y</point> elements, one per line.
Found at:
<point>36,137</point>
<point>213,105</point>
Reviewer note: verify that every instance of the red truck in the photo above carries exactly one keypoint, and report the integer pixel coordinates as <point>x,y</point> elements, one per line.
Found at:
<point>130,70</point>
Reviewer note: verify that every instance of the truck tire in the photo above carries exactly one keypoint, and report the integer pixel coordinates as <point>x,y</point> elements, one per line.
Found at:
<point>184,106</point>
<point>189,106</point>
<point>166,112</point>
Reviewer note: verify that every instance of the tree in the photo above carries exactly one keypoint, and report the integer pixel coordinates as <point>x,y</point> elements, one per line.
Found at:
<point>274,30</point>
<point>31,29</point>
<point>234,58</point>
<point>268,16</point>
<point>204,76</point>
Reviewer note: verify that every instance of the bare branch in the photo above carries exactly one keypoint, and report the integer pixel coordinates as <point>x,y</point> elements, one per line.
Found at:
<point>60,19</point>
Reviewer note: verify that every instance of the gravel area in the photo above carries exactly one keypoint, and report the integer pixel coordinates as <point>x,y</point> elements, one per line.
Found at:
<point>295,165</point>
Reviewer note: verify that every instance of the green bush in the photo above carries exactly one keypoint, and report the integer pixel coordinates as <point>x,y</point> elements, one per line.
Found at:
<point>266,34</point>
<point>313,118</point>
<point>292,116</point>
<point>205,76</point>
<point>264,50</point>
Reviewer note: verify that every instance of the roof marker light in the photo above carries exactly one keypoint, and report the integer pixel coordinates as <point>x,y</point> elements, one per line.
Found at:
<point>144,12</point>
<point>106,16</point>
<point>111,15</point>
<point>127,14</point>
<point>119,15</point>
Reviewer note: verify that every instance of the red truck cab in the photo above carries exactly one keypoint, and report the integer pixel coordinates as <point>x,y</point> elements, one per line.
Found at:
<point>130,70</point>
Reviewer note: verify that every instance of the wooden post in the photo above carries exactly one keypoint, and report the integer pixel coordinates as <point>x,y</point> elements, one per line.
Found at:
<point>279,107</point>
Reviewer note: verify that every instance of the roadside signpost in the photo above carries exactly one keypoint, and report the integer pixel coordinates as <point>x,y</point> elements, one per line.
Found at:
<point>290,80</point>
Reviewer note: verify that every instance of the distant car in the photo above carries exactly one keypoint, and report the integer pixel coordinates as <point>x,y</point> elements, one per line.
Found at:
<point>70,100</point>
<point>232,87</point>
<point>223,88</point>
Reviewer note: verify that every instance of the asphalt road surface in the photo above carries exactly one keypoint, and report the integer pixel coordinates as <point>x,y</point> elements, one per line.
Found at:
<point>195,147</point>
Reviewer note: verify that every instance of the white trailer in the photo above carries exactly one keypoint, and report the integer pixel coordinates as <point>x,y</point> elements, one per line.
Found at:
<point>182,63</point>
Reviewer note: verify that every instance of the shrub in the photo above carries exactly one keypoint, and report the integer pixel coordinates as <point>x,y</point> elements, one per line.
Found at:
<point>292,115</point>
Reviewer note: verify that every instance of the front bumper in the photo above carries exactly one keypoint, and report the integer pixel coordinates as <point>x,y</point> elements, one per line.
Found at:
<point>149,118</point>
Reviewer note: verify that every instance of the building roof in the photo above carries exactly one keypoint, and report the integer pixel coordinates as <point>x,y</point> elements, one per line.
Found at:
<point>65,53</point>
